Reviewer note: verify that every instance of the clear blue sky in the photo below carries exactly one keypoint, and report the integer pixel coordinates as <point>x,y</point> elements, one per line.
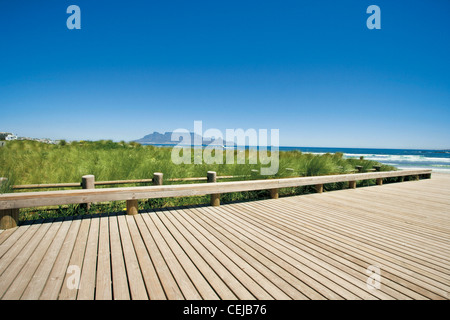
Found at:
<point>311,69</point>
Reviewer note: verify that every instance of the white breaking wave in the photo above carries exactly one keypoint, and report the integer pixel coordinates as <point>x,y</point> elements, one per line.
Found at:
<point>404,162</point>
<point>399,158</point>
<point>394,158</point>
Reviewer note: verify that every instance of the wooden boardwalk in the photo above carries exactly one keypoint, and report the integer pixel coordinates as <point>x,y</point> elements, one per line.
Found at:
<point>317,246</point>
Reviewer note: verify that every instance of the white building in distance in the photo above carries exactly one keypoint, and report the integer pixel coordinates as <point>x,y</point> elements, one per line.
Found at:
<point>10,137</point>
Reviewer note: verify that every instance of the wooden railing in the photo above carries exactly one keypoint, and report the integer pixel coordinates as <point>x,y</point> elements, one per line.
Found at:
<point>10,203</point>
<point>143,181</point>
<point>105,183</point>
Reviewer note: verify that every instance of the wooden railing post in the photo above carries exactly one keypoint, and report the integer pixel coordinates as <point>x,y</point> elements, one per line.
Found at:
<point>379,181</point>
<point>88,182</point>
<point>352,184</point>
<point>158,179</point>
<point>274,193</point>
<point>132,207</point>
<point>215,198</point>
<point>9,218</point>
<point>319,188</point>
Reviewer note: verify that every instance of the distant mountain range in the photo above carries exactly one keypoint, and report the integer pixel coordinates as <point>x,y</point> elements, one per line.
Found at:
<point>166,138</point>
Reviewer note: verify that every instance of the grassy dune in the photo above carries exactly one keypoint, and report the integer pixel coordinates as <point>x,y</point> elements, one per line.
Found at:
<point>29,162</point>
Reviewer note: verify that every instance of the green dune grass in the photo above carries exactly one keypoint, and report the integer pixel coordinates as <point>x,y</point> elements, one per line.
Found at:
<point>30,162</point>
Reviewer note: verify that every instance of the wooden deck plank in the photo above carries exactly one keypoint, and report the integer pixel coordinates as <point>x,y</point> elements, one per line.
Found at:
<point>10,272</point>
<point>20,260</point>
<point>438,197</point>
<point>389,254</point>
<point>103,290</point>
<point>350,265</point>
<point>382,222</point>
<point>380,229</point>
<point>256,240</point>
<point>415,191</point>
<point>152,282</point>
<point>184,258</point>
<point>137,285</point>
<point>288,278</point>
<point>405,191</point>
<point>168,282</point>
<point>413,213</point>
<point>37,283</point>
<point>55,281</point>
<point>398,220</point>
<point>385,221</point>
<point>5,235</point>
<point>315,246</point>
<point>14,244</point>
<point>350,280</point>
<point>374,235</point>
<point>71,282</point>
<point>118,269</point>
<point>253,276</point>
<point>182,278</point>
<point>349,253</point>
<point>192,236</point>
<point>378,255</point>
<point>88,272</point>
<point>25,275</point>
<point>238,267</point>
<point>312,236</point>
<point>241,284</point>
<point>214,280</point>
<point>269,271</point>
<point>413,247</point>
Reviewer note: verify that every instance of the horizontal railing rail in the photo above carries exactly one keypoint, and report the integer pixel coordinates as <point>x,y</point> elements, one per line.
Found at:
<point>104,183</point>
<point>11,202</point>
<point>150,180</point>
